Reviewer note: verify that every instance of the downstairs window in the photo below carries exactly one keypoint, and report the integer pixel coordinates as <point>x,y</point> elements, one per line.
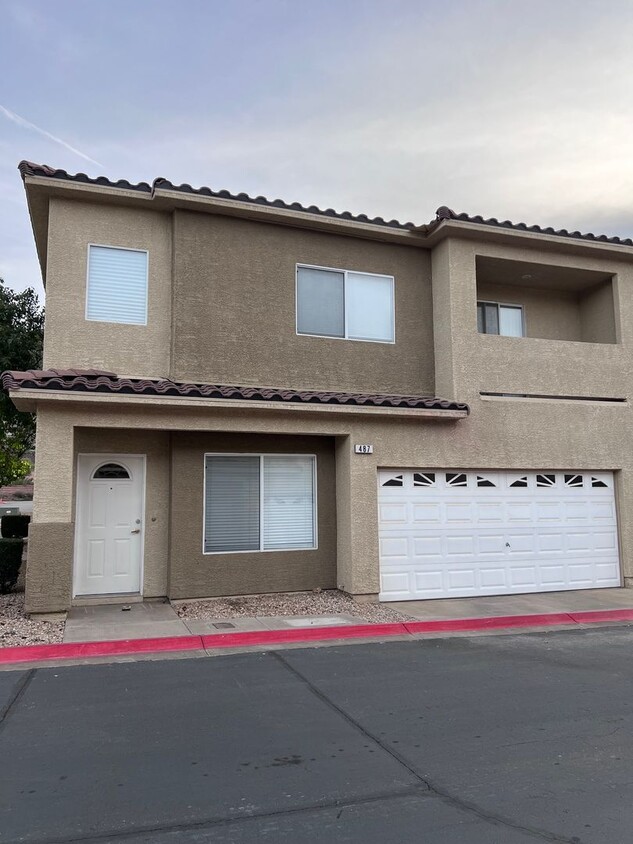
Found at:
<point>262,502</point>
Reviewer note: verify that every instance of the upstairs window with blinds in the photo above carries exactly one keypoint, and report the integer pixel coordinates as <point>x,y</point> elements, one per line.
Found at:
<point>259,503</point>
<point>117,285</point>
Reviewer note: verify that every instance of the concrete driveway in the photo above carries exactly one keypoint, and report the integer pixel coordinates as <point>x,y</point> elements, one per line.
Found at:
<point>508,739</point>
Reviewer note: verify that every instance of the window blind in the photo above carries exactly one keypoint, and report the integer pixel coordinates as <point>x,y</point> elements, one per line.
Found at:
<point>320,302</point>
<point>117,285</point>
<point>231,521</point>
<point>288,502</point>
<point>369,301</point>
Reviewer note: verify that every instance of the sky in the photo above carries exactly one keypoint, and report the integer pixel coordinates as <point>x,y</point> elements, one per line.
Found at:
<point>522,111</point>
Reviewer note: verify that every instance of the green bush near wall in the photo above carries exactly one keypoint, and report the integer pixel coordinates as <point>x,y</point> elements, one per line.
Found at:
<point>14,527</point>
<point>10,562</point>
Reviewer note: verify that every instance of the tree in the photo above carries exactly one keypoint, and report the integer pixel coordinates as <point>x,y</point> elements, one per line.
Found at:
<point>21,341</point>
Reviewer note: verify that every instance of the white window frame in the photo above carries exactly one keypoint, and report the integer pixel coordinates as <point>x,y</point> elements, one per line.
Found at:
<point>345,274</point>
<point>514,305</point>
<point>127,249</point>
<point>261,456</point>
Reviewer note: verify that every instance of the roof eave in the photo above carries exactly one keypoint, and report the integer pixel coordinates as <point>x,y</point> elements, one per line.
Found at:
<point>444,229</point>
<point>39,190</point>
<point>28,399</point>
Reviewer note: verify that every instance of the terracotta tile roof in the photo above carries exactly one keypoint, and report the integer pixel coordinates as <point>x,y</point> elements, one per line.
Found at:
<point>445,213</point>
<point>96,381</point>
<point>28,168</point>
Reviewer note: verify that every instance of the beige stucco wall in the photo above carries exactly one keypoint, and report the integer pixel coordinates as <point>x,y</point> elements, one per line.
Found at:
<point>597,314</point>
<point>508,434</point>
<point>549,314</point>
<point>558,314</point>
<point>71,341</point>
<point>234,309</point>
<point>194,574</point>
<point>527,364</point>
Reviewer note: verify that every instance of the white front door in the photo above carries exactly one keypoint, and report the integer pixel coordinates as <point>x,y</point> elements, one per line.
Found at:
<point>453,534</point>
<point>109,531</point>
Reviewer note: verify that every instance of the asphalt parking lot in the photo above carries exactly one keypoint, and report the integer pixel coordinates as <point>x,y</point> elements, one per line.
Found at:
<point>508,738</point>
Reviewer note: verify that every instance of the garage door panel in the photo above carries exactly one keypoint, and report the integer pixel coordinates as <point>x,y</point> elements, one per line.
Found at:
<point>548,512</point>
<point>577,512</point>
<point>552,575</point>
<point>607,541</point>
<point>523,576</point>
<point>520,543</point>
<point>519,511</point>
<point>490,512</point>
<point>429,581</point>
<point>460,546</point>
<point>426,513</point>
<point>394,546</point>
<point>459,579</point>
<point>492,545</point>
<point>552,531</point>
<point>393,513</point>
<point>550,543</point>
<point>607,572</point>
<point>458,512</point>
<point>581,573</point>
<point>603,511</point>
<point>427,546</point>
<point>395,584</point>
<point>493,578</point>
<point>580,541</point>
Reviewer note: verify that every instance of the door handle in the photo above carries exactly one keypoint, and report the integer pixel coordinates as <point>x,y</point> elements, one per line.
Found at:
<point>138,530</point>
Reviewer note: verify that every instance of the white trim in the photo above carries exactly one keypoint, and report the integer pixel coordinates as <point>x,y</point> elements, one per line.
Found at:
<point>345,273</point>
<point>504,305</point>
<point>126,249</point>
<point>114,458</point>
<point>261,455</point>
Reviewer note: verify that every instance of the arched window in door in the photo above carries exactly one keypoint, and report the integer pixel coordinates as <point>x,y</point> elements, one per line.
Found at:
<point>111,472</point>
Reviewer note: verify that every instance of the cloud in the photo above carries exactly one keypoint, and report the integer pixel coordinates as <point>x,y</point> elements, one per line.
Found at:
<point>25,124</point>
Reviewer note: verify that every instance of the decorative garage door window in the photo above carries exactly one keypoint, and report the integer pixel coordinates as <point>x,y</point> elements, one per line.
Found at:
<point>454,533</point>
<point>259,502</point>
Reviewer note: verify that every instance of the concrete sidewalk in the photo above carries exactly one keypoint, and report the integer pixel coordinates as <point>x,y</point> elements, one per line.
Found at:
<point>151,620</point>
<point>154,620</point>
<point>581,600</point>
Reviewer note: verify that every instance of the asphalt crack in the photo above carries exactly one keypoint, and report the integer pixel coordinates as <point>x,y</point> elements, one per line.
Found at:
<point>18,691</point>
<point>210,823</point>
<point>431,787</point>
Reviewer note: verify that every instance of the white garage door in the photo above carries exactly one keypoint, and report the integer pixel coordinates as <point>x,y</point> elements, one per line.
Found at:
<point>455,534</point>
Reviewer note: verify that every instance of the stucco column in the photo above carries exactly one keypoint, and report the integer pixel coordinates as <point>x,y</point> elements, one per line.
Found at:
<point>357,522</point>
<point>50,551</point>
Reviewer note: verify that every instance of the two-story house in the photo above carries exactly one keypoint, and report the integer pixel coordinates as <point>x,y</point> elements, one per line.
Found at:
<point>243,396</point>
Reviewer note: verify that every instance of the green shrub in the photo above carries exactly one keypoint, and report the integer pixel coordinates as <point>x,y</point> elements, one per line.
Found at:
<point>10,562</point>
<point>14,527</point>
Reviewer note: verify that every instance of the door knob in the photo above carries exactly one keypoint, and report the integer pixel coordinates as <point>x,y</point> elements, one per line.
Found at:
<point>138,530</point>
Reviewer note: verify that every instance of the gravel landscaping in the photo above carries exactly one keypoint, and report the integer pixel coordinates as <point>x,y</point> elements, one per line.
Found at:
<point>330,602</point>
<point>17,629</point>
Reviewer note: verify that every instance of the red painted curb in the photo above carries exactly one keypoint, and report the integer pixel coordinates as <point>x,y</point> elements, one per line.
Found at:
<point>79,650</point>
<point>491,623</point>
<point>602,615</point>
<point>302,634</point>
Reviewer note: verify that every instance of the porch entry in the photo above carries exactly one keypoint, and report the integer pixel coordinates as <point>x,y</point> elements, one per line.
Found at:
<point>109,524</point>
